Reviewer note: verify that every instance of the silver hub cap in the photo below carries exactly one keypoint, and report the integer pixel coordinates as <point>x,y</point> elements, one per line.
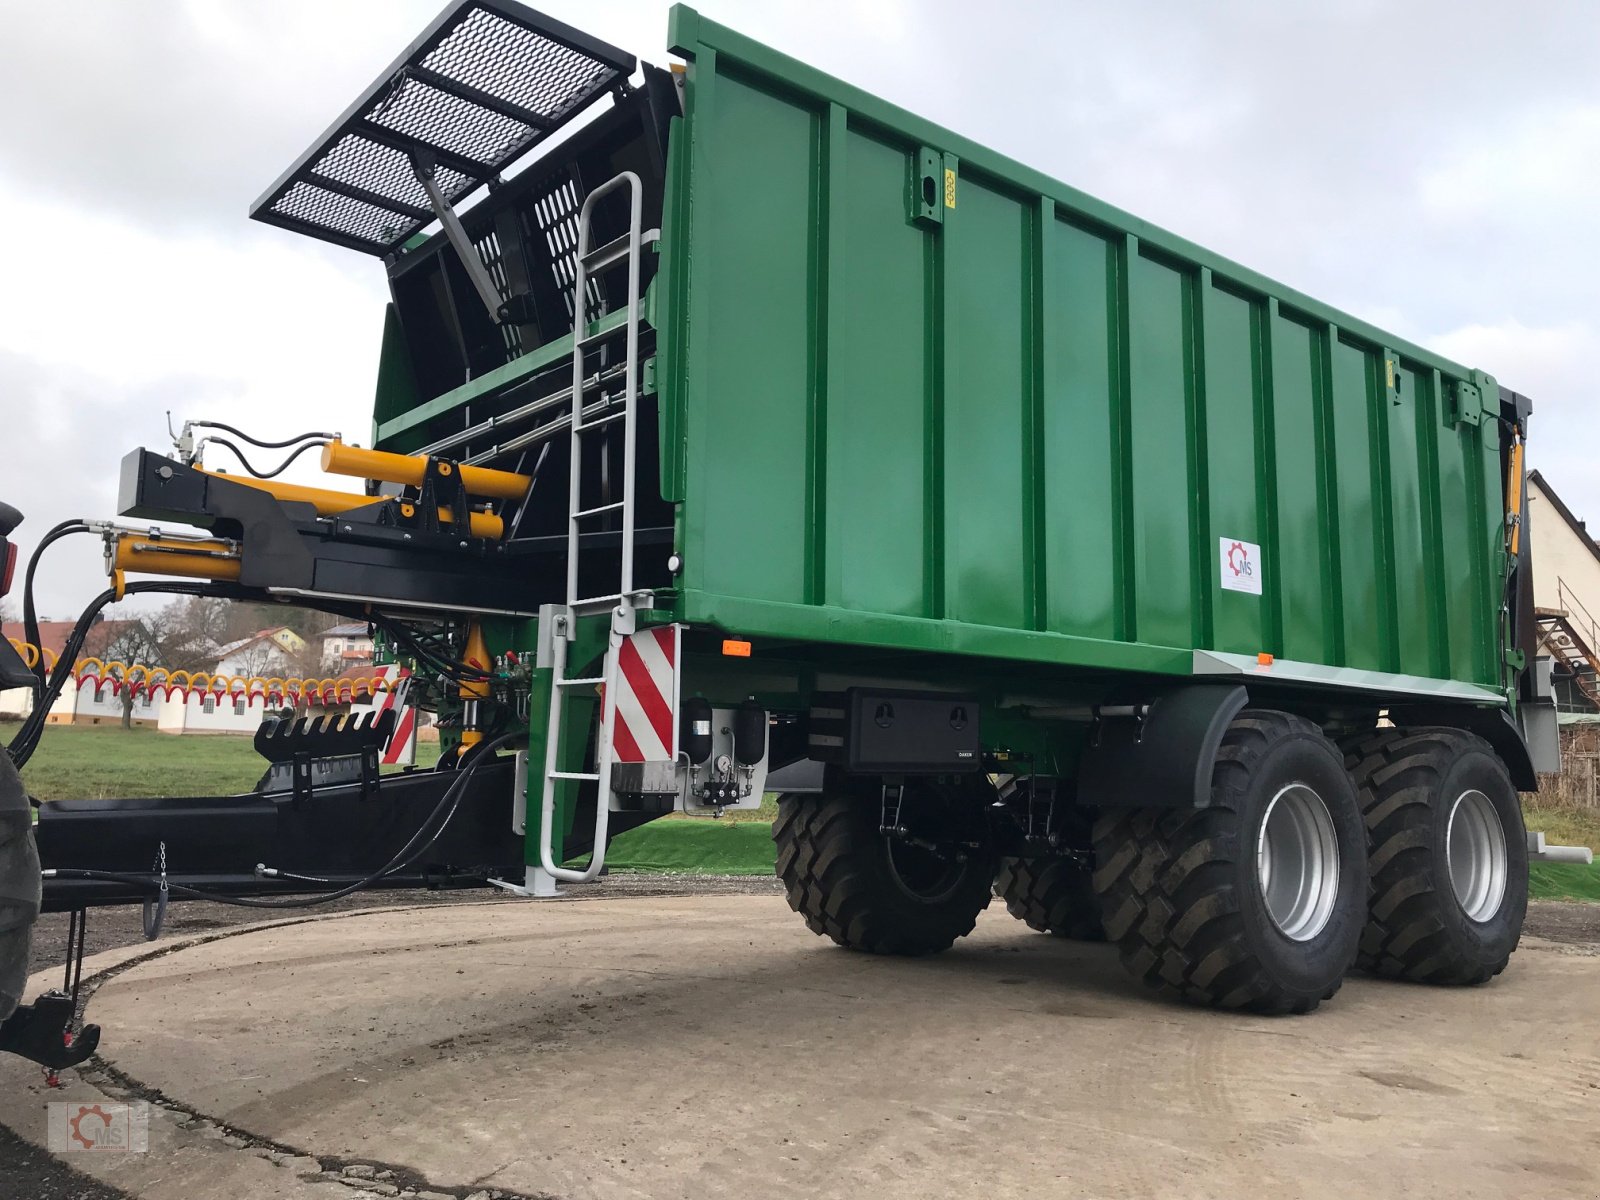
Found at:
<point>1475,850</point>
<point>1297,862</point>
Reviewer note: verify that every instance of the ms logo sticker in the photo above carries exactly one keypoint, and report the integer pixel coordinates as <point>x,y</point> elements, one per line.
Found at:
<point>1241,566</point>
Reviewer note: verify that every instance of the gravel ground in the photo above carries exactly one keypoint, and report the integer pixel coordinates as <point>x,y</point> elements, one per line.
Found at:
<point>122,925</point>
<point>28,1172</point>
<point>1575,924</point>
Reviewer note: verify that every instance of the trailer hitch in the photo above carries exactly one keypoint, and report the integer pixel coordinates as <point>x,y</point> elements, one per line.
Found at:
<point>41,1032</point>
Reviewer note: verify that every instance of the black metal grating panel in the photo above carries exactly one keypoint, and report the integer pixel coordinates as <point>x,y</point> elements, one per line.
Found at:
<point>556,212</point>
<point>484,83</point>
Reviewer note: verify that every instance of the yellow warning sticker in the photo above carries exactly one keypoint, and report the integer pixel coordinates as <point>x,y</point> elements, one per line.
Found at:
<point>949,188</point>
<point>1389,366</point>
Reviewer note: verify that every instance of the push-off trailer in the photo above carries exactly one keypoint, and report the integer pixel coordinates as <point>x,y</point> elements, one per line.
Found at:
<point>755,427</point>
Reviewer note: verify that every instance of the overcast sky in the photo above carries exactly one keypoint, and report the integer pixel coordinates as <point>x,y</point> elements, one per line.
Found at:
<point>1432,167</point>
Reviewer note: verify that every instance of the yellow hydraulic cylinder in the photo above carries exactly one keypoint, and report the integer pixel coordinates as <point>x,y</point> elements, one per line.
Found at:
<point>209,559</point>
<point>329,503</point>
<point>1514,496</point>
<point>410,469</point>
<point>473,691</point>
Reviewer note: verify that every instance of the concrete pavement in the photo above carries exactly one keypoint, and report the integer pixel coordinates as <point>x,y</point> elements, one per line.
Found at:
<point>710,1046</point>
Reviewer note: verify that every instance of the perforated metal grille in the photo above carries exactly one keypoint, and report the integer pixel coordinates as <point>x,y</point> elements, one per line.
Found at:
<point>488,80</point>
<point>548,77</point>
<point>384,170</point>
<point>556,212</point>
<point>494,261</point>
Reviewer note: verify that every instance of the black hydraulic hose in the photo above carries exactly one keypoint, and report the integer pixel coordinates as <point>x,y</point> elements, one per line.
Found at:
<point>30,617</point>
<point>27,738</point>
<point>255,441</point>
<point>276,471</point>
<point>403,857</point>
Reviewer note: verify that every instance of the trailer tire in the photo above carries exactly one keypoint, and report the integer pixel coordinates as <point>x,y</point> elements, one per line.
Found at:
<point>19,886</point>
<point>1052,895</point>
<point>1448,856</point>
<point>850,883</point>
<point>1187,894</point>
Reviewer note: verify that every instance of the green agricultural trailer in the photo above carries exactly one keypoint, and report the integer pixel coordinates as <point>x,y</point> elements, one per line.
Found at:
<point>736,431</point>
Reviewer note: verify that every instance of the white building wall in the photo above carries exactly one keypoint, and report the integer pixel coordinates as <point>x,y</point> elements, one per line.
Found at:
<point>212,714</point>
<point>1564,567</point>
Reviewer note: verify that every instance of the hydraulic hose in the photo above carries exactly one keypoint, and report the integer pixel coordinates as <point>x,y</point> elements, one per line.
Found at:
<point>403,858</point>
<point>30,617</point>
<point>277,470</point>
<point>27,738</point>
<point>255,441</point>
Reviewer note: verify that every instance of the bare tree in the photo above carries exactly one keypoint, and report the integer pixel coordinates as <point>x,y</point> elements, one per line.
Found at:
<point>165,638</point>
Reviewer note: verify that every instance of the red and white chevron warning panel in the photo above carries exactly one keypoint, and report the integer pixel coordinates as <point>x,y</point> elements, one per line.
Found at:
<point>645,728</point>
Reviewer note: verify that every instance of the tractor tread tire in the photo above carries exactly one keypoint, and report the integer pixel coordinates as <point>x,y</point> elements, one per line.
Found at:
<point>1168,882</point>
<point>1053,895</point>
<point>1399,774</point>
<point>834,870</point>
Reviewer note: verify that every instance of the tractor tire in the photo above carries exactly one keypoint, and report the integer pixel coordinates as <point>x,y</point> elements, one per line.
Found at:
<point>866,891</point>
<point>1052,895</point>
<point>1256,901</point>
<point>19,886</point>
<point>1448,856</point>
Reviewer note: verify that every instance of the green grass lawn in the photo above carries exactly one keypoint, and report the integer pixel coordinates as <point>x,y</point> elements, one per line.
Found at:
<point>95,762</point>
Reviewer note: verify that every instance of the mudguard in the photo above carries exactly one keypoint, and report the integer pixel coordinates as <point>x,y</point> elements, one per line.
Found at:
<point>1163,758</point>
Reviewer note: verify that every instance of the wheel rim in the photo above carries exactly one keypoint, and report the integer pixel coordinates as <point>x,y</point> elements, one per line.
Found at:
<point>921,874</point>
<point>1475,850</point>
<point>1297,862</point>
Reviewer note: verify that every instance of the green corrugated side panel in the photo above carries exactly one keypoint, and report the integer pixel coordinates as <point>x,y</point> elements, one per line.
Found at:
<point>1019,424</point>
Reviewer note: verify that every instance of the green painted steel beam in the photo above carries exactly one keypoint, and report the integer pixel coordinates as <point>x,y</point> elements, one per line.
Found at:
<point>824,623</point>
<point>496,380</point>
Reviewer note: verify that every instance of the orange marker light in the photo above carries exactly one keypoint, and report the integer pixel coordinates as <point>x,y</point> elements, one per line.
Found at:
<point>735,649</point>
<point>1264,659</point>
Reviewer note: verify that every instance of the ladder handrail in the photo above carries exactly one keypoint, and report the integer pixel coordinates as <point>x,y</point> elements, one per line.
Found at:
<point>580,325</point>
<point>1563,594</point>
<point>563,627</point>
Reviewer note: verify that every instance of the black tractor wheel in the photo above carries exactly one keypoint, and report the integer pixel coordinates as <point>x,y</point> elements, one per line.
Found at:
<point>1256,901</point>
<point>882,894</point>
<point>1052,895</point>
<point>19,886</point>
<point>1449,856</point>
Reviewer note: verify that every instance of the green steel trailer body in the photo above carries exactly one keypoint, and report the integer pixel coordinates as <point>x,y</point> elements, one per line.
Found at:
<point>1020,545</point>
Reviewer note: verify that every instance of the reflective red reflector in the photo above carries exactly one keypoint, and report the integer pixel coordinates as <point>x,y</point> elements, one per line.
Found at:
<point>9,567</point>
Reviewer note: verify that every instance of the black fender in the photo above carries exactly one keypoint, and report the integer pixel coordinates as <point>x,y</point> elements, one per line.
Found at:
<point>1494,725</point>
<point>1164,758</point>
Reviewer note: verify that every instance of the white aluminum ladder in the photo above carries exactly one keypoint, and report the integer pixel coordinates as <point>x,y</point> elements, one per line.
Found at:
<point>624,602</point>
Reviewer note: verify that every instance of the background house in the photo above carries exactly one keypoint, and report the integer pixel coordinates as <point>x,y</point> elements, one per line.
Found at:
<point>345,646</point>
<point>265,652</point>
<point>1566,596</point>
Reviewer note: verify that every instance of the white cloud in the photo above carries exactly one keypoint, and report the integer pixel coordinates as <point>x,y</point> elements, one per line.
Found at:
<point>1554,367</point>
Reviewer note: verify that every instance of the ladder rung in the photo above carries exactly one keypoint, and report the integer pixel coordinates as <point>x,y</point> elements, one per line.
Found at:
<point>611,599</point>
<point>581,776</point>
<point>586,426</point>
<point>602,257</point>
<point>590,680</point>
<point>595,512</point>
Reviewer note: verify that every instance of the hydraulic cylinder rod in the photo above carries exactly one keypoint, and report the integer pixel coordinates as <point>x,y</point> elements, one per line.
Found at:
<point>186,558</point>
<point>409,469</point>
